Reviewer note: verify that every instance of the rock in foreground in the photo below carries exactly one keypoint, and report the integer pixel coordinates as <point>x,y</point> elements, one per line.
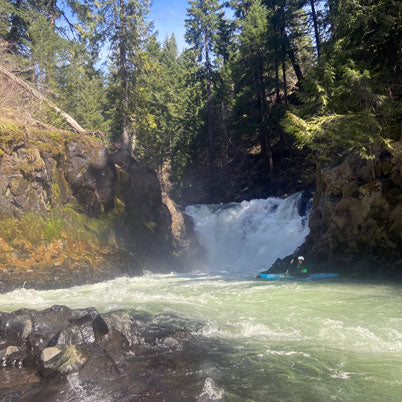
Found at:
<point>78,355</point>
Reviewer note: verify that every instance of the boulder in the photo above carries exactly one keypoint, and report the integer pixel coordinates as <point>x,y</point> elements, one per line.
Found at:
<point>118,356</point>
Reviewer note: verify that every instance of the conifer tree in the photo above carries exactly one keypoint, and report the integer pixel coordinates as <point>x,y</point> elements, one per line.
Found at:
<point>160,97</point>
<point>126,28</point>
<point>252,65</point>
<point>204,18</point>
<point>186,147</point>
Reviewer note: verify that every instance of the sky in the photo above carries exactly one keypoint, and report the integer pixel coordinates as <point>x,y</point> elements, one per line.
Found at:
<point>168,17</point>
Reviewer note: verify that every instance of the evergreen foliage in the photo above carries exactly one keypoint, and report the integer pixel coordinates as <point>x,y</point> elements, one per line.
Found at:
<point>351,100</point>
<point>277,74</point>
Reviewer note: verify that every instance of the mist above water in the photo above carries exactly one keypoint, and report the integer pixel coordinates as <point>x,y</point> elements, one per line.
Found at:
<point>249,236</point>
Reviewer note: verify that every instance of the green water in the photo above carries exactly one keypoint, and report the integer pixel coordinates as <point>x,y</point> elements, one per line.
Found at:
<point>318,341</point>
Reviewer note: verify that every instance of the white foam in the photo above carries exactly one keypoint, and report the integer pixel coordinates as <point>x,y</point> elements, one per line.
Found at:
<point>211,392</point>
<point>286,353</point>
<point>251,235</point>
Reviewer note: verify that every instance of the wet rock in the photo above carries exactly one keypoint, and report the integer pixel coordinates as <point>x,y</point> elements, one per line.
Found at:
<point>120,358</point>
<point>48,354</point>
<point>68,360</point>
<point>356,217</point>
<point>119,321</point>
<point>116,346</point>
<point>75,335</point>
<point>304,202</point>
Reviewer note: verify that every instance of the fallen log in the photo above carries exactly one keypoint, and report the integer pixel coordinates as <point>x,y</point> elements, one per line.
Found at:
<point>37,95</point>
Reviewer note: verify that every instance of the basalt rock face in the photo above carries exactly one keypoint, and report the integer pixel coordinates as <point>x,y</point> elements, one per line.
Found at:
<point>72,212</point>
<point>76,355</point>
<point>356,219</point>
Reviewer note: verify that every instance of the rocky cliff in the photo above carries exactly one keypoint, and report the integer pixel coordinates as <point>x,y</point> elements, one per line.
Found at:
<point>356,220</point>
<point>71,211</point>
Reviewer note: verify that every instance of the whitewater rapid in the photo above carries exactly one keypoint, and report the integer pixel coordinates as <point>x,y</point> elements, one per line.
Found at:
<point>248,237</point>
<point>284,341</point>
<point>268,341</point>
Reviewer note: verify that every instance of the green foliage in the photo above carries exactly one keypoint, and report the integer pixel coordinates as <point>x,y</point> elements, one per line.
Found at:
<point>248,65</point>
<point>192,119</point>
<point>331,135</point>
<point>126,28</point>
<point>349,103</point>
<point>57,41</point>
<point>238,78</point>
<point>88,88</point>
<point>158,113</point>
<point>202,25</point>
<point>5,8</point>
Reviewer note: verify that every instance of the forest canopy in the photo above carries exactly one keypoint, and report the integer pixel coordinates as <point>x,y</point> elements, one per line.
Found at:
<point>261,76</point>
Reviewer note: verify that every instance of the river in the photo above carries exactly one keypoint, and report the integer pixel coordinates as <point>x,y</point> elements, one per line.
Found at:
<point>337,340</point>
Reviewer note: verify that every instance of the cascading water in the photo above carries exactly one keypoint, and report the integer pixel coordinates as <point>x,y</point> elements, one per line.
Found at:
<point>263,341</point>
<point>249,236</point>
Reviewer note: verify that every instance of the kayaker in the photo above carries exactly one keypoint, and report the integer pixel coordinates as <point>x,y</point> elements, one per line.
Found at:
<point>300,270</point>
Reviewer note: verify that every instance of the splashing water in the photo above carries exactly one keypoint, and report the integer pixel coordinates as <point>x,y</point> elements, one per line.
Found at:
<point>249,236</point>
<point>289,341</point>
<point>279,341</point>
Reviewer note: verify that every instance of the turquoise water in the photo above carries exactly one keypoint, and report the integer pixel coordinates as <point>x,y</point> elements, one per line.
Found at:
<point>280,341</point>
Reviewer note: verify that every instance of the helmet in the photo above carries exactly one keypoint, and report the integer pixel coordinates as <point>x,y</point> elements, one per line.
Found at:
<point>300,258</point>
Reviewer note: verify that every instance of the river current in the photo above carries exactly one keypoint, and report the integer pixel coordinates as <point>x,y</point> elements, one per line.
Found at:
<point>337,340</point>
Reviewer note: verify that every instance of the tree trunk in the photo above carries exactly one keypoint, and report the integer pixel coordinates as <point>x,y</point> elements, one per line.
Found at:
<point>277,58</point>
<point>316,29</point>
<point>283,56</point>
<point>290,51</point>
<point>261,114</point>
<point>277,91</point>
<point>332,12</point>
<point>126,142</point>
<point>265,135</point>
<point>211,144</point>
<point>53,11</point>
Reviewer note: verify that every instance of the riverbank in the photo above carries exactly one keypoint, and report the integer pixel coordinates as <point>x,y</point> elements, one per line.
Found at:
<point>73,212</point>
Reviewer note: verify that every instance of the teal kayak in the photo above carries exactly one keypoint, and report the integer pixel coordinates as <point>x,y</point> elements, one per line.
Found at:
<point>312,277</point>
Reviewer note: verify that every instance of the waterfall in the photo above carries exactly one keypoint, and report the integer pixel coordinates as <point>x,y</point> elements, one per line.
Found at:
<point>248,237</point>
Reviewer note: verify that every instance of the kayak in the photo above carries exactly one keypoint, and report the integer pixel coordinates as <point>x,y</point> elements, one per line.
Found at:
<point>312,277</point>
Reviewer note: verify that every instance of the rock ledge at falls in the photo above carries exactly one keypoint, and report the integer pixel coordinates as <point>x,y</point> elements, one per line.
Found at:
<point>73,212</point>
<point>73,355</point>
<point>356,218</point>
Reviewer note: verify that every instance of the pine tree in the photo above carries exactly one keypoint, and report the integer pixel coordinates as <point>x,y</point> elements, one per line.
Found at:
<point>126,29</point>
<point>204,18</point>
<point>186,150</point>
<point>252,64</point>
<point>158,99</point>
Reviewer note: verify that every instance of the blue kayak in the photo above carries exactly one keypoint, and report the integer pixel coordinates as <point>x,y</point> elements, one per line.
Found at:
<point>312,277</point>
